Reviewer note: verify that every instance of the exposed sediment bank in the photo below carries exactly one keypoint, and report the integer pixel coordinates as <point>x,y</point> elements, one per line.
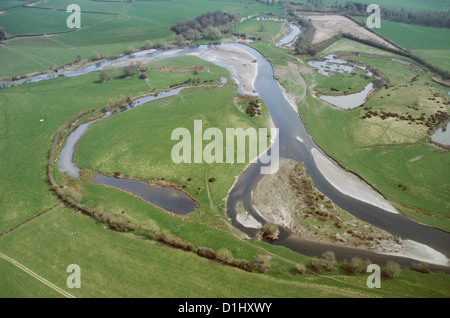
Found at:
<point>349,184</point>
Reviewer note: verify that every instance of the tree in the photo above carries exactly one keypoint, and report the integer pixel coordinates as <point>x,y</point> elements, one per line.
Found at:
<point>262,263</point>
<point>148,45</point>
<point>338,4</point>
<point>192,35</point>
<point>391,270</point>
<point>130,50</point>
<point>129,70</point>
<point>95,56</point>
<point>2,33</point>
<point>103,77</point>
<point>271,230</point>
<point>262,27</point>
<point>212,33</point>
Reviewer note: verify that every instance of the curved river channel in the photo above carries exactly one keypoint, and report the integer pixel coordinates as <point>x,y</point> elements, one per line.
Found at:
<point>294,143</point>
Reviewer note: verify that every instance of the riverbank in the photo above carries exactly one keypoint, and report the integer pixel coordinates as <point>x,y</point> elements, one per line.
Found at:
<point>238,61</point>
<point>290,200</point>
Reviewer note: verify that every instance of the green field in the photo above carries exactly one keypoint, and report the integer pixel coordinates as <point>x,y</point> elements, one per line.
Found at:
<point>122,265</point>
<point>135,153</point>
<point>48,244</point>
<point>141,21</point>
<point>29,21</point>
<point>420,5</point>
<point>343,83</point>
<point>382,151</point>
<point>431,44</point>
<point>137,143</point>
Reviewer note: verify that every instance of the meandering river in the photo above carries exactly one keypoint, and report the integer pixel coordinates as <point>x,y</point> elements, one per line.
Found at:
<point>294,143</point>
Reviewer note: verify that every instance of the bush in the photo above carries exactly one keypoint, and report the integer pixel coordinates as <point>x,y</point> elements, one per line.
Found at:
<point>224,255</point>
<point>420,267</point>
<point>262,263</point>
<point>130,50</point>
<point>326,262</point>
<point>129,70</point>
<point>118,226</point>
<point>300,269</point>
<point>271,230</point>
<point>243,264</point>
<point>391,270</point>
<point>207,253</point>
<point>153,229</point>
<point>95,56</point>
<point>356,266</point>
<point>103,76</point>
<point>148,45</point>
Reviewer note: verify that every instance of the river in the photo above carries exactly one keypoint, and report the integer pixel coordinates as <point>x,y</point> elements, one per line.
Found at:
<point>295,143</point>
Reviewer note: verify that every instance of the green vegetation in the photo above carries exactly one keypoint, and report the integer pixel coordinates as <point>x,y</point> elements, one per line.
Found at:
<point>124,265</point>
<point>130,248</point>
<point>392,13</point>
<point>341,84</point>
<point>134,150</point>
<point>419,5</point>
<point>139,21</point>
<point>391,151</point>
<point>429,43</point>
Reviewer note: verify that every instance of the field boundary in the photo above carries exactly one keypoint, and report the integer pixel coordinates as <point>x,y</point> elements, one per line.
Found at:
<point>28,220</point>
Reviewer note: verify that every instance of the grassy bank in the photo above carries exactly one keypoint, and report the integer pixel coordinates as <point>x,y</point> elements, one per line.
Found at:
<point>121,265</point>
<point>391,153</point>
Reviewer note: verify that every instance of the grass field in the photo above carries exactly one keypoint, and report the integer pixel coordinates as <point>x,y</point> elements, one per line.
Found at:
<point>122,265</point>
<point>29,21</point>
<point>344,83</point>
<point>135,153</point>
<point>433,5</point>
<point>382,151</point>
<point>140,21</point>
<point>128,264</point>
<point>429,43</point>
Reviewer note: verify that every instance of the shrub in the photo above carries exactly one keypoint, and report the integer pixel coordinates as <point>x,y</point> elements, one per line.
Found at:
<point>130,50</point>
<point>129,70</point>
<point>103,76</point>
<point>95,56</point>
<point>143,76</point>
<point>153,229</point>
<point>420,267</point>
<point>148,45</point>
<point>262,263</point>
<point>118,226</point>
<point>316,264</point>
<point>326,262</point>
<point>356,265</point>
<point>225,256</point>
<point>391,270</point>
<point>300,269</point>
<point>243,264</point>
<point>206,252</point>
<point>271,230</point>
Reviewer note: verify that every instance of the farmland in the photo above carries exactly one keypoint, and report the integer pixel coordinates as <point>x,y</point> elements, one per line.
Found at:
<point>127,247</point>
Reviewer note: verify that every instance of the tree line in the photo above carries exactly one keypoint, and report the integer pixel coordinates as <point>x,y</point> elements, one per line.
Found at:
<point>211,25</point>
<point>438,19</point>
